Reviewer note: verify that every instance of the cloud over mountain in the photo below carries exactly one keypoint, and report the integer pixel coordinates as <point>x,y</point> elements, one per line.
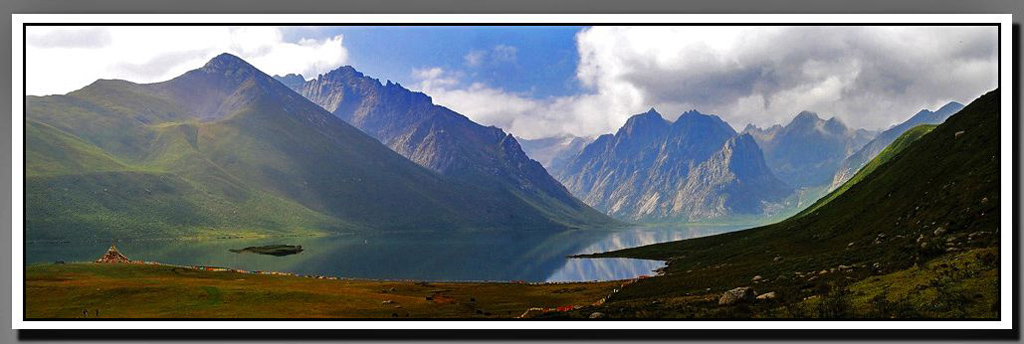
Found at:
<point>154,53</point>
<point>865,76</point>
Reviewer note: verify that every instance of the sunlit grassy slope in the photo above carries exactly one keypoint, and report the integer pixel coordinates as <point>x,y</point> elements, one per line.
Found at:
<point>902,142</point>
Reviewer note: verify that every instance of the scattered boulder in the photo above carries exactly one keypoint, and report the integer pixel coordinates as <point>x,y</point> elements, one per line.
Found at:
<point>756,278</point>
<point>777,259</point>
<point>766,296</point>
<point>958,134</point>
<point>387,302</point>
<point>597,315</point>
<point>737,295</point>
<point>939,231</point>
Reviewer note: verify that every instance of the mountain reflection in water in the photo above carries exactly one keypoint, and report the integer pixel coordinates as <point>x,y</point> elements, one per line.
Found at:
<point>491,256</point>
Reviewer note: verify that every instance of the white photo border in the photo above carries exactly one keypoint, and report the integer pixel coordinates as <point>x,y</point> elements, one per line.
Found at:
<point>1008,243</point>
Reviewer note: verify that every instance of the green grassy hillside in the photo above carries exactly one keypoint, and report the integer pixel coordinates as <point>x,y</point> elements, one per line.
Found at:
<point>938,196</point>
<point>901,142</point>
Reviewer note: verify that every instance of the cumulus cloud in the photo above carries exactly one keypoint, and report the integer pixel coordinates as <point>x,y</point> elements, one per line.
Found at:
<point>152,53</point>
<point>519,113</point>
<point>869,77</point>
<point>83,37</point>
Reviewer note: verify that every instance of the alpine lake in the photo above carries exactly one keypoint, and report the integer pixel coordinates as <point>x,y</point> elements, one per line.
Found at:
<point>535,256</point>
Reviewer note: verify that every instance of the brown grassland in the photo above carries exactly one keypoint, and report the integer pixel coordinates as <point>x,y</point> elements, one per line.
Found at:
<point>154,291</point>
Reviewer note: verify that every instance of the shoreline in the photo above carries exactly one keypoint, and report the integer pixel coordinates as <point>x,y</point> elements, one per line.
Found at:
<point>207,268</point>
<point>156,290</point>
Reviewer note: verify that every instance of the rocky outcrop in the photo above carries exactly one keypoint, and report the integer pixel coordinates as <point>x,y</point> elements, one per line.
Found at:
<point>737,296</point>
<point>766,296</point>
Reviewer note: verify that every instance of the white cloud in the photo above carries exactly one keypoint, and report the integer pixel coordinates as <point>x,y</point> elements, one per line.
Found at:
<point>504,53</point>
<point>499,54</point>
<point>869,77</point>
<point>63,59</point>
<point>475,57</point>
<point>520,114</point>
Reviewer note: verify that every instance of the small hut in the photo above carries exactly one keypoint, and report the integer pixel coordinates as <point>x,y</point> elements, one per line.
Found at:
<point>113,256</point>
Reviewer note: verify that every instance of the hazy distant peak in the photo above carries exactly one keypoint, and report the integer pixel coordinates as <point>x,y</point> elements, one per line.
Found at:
<point>744,138</point>
<point>691,112</point>
<point>291,80</point>
<point>952,106</point>
<point>806,116</point>
<point>695,115</point>
<point>834,124</point>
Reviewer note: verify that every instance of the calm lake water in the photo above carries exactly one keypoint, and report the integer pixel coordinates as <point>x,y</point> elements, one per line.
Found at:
<point>496,256</point>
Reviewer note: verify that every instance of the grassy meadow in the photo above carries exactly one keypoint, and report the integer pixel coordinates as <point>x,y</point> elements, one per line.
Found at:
<point>156,291</point>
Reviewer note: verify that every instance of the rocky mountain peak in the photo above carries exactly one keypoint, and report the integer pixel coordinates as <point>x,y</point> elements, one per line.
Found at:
<point>226,62</point>
<point>342,73</point>
<point>805,119</point>
<point>644,122</point>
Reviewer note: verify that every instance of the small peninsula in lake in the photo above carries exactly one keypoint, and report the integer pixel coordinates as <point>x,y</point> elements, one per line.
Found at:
<point>273,250</point>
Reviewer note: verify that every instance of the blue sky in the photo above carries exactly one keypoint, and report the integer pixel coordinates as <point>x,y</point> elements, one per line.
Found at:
<point>535,61</point>
<point>545,81</point>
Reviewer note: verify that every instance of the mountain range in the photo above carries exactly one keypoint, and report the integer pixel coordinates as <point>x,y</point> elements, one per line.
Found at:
<point>929,201</point>
<point>228,150</point>
<point>808,150</point>
<point>448,143</point>
<point>696,168</point>
<point>855,162</point>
